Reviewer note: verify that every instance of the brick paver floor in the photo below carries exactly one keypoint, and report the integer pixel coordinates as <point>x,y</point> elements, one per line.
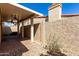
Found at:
<point>22,47</point>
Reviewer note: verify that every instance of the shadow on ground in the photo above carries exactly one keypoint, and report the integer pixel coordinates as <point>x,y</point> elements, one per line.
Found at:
<point>53,54</point>
<point>11,46</point>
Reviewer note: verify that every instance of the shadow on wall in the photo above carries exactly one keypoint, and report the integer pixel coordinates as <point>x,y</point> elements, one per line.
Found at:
<point>35,28</point>
<point>53,46</point>
<point>27,30</point>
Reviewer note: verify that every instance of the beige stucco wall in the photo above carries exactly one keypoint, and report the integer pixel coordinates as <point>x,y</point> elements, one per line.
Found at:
<point>39,36</point>
<point>38,33</point>
<point>38,29</point>
<point>26,31</point>
<point>54,14</point>
<point>67,32</point>
<point>35,21</point>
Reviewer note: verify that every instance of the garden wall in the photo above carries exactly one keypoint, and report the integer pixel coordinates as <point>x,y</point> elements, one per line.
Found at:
<point>66,31</point>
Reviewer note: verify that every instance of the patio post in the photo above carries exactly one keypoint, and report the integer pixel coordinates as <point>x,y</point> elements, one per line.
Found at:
<point>22,29</point>
<point>17,28</point>
<point>32,30</point>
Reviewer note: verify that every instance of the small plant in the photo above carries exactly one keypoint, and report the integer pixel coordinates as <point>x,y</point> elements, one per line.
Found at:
<point>53,46</point>
<point>52,43</point>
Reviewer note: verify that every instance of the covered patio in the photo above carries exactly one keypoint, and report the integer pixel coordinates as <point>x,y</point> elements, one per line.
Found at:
<point>16,14</point>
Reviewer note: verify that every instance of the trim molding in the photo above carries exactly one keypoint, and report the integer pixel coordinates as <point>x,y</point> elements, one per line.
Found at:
<point>54,6</point>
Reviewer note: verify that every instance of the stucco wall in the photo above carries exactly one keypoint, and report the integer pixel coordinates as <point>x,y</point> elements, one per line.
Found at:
<point>26,31</point>
<point>67,32</point>
<point>38,29</point>
<point>35,21</point>
<point>54,14</point>
<point>37,32</point>
<point>39,36</point>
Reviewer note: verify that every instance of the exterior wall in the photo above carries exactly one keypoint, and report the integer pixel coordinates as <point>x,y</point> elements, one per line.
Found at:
<point>26,31</point>
<point>38,29</point>
<point>38,32</point>
<point>67,33</point>
<point>54,12</point>
<point>39,35</point>
<point>35,21</point>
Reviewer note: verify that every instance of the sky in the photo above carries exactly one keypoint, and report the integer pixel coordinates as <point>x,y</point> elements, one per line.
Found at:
<point>70,8</point>
<point>39,7</point>
<point>67,8</point>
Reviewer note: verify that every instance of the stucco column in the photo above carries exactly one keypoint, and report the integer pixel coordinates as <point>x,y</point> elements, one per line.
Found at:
<point>22,29</point>
<point>43,33</point>
<point>32,30</point>
<point>54,12</point>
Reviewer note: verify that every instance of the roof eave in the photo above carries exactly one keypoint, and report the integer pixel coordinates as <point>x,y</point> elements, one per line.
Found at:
<point>25,8</point>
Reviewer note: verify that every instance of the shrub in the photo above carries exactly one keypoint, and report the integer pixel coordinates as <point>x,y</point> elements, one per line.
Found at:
<point>52,43</point>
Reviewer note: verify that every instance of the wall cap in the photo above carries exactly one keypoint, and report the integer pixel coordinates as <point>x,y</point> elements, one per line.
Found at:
<point>54,6</point>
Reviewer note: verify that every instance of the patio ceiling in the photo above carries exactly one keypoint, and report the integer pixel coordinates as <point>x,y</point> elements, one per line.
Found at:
<point>8,9</point>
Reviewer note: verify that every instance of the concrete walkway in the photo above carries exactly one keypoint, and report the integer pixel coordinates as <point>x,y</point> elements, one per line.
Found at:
<point>35,49</point>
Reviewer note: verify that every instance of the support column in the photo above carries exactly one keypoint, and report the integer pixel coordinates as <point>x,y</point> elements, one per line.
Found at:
<point>22,29</point>
<point>0,27</point>
<point>32,30</point>
<point>18,28</point>
<point>43,34</point>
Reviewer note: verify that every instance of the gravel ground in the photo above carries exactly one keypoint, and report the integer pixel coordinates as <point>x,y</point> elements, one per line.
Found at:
<point>34,49</point>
